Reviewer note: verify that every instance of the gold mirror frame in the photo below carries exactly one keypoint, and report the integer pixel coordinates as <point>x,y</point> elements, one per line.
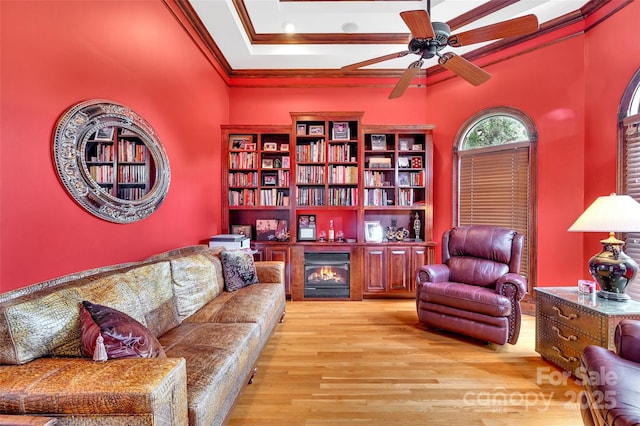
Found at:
<point>79,127</point>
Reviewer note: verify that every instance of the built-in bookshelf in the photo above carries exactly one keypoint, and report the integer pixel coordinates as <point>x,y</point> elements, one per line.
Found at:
<point>258,180</point>
<point>397,167</point>
<point>330,168</point>
<point>118,161</point>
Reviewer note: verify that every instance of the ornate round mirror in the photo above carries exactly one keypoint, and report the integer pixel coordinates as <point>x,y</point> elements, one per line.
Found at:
<point>111,161</point>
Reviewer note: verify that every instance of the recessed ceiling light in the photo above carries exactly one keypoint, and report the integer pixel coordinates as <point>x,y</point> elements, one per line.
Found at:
<point>349,27</point>
<point>288,27</point>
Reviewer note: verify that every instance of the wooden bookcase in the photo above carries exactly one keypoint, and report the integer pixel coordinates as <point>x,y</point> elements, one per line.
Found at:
<point>330,166</point>
<point>119,162</point>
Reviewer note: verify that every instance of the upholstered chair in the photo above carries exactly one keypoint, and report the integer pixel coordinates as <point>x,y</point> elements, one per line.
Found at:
<point>477,289</point>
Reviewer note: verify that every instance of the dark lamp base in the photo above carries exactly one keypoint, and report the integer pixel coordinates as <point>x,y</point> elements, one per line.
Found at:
<point>618,297</point>
<point>613,270</point>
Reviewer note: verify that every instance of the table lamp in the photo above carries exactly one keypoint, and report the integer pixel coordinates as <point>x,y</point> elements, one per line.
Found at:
<point>611,268</point>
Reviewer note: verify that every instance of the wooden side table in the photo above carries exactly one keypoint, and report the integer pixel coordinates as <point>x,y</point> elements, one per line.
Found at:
<point>567,322</point>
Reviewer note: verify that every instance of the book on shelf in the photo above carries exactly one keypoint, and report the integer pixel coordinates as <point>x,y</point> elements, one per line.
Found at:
<point>379,162</point>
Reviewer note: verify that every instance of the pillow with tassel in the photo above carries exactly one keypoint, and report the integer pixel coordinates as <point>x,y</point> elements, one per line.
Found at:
<point>109,334</point>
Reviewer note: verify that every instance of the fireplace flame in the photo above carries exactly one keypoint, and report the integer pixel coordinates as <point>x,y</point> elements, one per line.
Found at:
<point>325,274</point>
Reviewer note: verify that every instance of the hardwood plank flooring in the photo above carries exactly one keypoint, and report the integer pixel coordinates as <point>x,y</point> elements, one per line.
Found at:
<point>370,363</point>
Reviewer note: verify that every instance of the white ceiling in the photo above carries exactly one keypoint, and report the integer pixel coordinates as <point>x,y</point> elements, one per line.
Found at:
<point>263,45</point>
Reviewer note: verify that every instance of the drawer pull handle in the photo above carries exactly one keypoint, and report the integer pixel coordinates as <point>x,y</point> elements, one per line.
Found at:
<point>561,355</point>
<point>561,315</point>
<point>570,338</point>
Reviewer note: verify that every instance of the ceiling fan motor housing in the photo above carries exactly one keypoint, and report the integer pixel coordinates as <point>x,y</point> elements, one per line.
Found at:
<point>428,47</point>
<point>442,32</point>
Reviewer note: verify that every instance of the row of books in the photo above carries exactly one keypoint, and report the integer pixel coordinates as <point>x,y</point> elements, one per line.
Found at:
<point>343,174</point>
<point>243,160</point>
<point>243,179</point>
<point>314,152</point>
<point>242,197</point>
<point>283,177</point>
<point>129,151</point>
<point>310,175</point>
<point>132,174</point>
<point>131,193</point>
<point>273,197</point>
<point>101,174</point>
<point>376,178</point>
<point>102,153</point>
<point>342,153</point>
<point>310,196</point>
<point>405,197</point>
<point>343,197</point>
<point>378,197</point>
<point>411,178</point>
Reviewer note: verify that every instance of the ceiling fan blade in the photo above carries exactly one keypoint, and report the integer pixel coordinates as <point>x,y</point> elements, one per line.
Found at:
<point>465,69</point>
<point>513,27</point>
<point>374,60</point>
<point>405,80</point>
<point>419,23</point>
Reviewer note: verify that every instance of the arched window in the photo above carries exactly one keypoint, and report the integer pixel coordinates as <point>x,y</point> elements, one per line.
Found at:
<point>493,167</point>
<point>629,164</point>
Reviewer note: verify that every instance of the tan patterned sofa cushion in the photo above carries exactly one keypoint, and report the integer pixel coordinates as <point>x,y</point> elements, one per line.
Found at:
<point>47,321</point>
<point>196,282</point>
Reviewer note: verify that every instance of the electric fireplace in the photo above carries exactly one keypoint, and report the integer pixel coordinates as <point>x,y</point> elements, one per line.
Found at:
<point>326,274</point>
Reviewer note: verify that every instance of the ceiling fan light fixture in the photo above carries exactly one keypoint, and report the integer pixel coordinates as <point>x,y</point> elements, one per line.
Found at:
<point>349,27</point>
<point>288,27</point>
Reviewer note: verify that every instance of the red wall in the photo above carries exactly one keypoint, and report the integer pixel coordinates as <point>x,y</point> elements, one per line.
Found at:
<point>58,53</point>
<point>612,56</point>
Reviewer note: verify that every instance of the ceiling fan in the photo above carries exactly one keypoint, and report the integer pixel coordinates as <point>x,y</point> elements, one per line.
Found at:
<point>429,38</point>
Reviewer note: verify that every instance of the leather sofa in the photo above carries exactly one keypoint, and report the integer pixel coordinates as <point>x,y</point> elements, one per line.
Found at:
<point>212,339</point>
<point>477,289</point>
<point>611,380</point>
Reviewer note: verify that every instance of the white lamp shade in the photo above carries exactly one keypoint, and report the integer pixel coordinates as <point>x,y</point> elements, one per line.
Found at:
<point>610,213</point>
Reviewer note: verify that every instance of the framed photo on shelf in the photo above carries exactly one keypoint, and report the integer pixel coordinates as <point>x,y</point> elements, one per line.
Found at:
<point>267,163</point>
<point>241,230</point>
<point>340,130</point>
<point>316,130</point>
<point>241,142</point>
<point>378,142</point>
<point>249,147</point>
<point>416,147</point>
<point>270,146</point>
<point>301,129</point>
<point>416,162</point>
<point>127,132</point>
<point>286,162</point>
<point>104,134</point>
<point>404,144</point>
<point>269,179</point>
<point>403,179</point>
<point>373,231</point>
<point>284,147</point>
<point>404,162</point>
<point>307,227</point>
<point>266,229</point>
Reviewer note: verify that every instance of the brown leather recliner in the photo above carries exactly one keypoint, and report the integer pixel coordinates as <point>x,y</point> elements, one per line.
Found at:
<point>611,394</point>
<point>477,289</point>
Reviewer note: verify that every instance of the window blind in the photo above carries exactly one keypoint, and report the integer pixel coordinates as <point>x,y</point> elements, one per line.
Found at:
<point>494,189</point>
<point>631,158</point>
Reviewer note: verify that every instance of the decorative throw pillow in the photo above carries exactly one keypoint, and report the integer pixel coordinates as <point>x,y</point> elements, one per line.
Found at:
<point>238,269</point>
<point>123,336</point>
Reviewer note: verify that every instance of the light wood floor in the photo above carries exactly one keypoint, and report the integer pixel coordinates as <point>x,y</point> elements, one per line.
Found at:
<point>370,363</point>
